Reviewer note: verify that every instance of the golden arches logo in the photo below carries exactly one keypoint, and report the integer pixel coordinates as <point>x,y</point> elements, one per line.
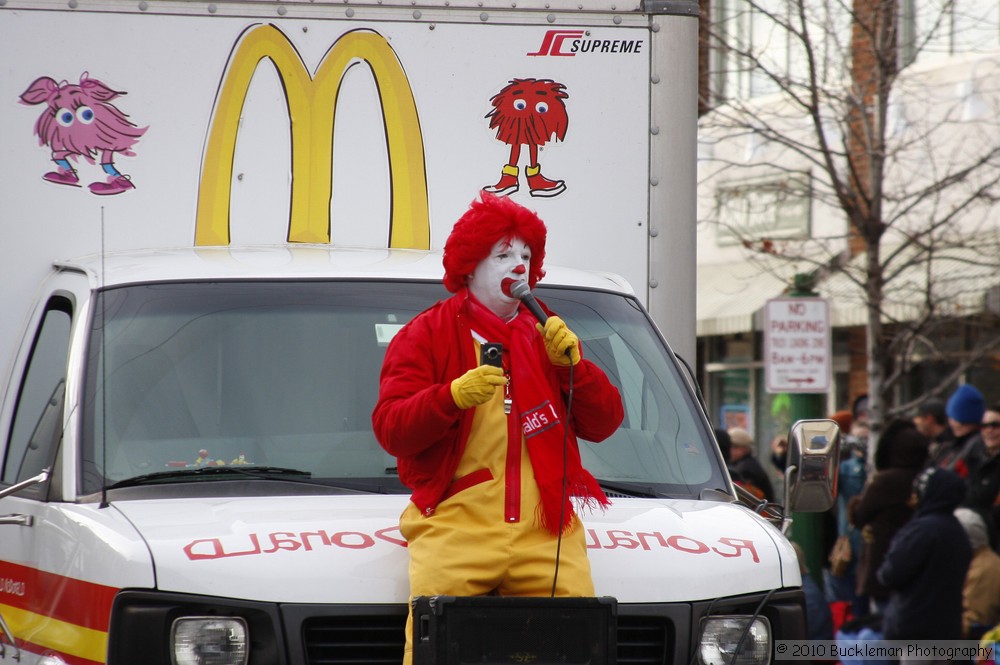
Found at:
<point>312,108</point>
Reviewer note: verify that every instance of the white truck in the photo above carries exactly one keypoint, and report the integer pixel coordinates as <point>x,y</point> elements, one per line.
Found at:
<point>255,194</point>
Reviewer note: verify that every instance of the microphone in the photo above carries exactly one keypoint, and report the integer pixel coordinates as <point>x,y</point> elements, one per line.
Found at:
<point>522,292</point>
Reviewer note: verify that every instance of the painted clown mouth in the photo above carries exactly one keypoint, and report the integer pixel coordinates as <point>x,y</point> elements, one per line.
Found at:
<point>506,284</point>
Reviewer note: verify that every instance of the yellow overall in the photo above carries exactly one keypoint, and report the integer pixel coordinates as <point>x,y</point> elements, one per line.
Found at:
<point>485,537</point>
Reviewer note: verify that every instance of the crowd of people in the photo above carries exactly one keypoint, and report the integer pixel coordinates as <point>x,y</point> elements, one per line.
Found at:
<point>928,519</point>
<point>914,537</point>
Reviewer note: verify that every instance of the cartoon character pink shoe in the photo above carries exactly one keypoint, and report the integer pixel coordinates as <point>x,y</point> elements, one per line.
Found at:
<point>507,184</point>
<point>542,186</point>
<point>62,176</point>
<point>114,185</point>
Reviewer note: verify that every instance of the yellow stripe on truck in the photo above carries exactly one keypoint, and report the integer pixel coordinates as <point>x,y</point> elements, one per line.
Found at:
<point>61,636</point>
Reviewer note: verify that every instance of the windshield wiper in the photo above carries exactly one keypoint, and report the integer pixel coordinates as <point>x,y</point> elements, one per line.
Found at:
<point>631,489</point>
<point>262,472</point>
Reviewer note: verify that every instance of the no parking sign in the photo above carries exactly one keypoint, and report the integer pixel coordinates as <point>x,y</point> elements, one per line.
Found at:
<point>797,345</point>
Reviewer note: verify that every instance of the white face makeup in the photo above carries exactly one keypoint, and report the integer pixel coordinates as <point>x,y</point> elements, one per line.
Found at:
<point>508,259</point>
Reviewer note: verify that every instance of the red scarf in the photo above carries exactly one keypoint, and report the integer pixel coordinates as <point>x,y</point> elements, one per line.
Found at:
<point>540,418</point>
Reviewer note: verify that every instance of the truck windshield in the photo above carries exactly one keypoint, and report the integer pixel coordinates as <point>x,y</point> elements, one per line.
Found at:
<point>285,375</point>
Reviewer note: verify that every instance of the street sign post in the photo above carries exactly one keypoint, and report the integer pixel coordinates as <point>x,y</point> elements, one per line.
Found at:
<point>797,345</point>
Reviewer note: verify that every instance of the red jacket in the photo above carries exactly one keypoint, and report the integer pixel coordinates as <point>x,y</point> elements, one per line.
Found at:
<point>416,419</point>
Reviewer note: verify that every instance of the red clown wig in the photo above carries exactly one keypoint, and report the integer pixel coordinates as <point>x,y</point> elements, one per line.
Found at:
<point>486,222</point>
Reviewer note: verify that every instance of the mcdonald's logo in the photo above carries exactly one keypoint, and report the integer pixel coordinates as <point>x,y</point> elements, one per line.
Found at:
<point>312,108</point>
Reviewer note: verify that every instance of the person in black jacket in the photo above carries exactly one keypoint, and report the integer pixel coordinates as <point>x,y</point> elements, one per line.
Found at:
<point>926,564</point>
<point>883,506</point>
<point>983,494</point>
<point>931,418</point>
<point>964,453</point>
<point>744,461</point>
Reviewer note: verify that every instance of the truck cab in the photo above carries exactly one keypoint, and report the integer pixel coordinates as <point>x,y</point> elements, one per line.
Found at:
<point>189,472</point>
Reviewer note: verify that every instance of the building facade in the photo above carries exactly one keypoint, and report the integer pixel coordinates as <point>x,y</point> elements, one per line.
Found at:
<point>805,127</point>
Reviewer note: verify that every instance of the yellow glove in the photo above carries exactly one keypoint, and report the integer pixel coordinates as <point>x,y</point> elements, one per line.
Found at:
<point>558,340</point>
<point>476,386</point>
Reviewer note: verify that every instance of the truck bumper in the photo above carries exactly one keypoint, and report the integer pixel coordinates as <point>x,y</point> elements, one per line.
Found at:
<point>313,634</point>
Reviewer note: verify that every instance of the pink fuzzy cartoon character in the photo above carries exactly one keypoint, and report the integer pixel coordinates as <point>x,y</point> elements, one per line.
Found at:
<point>79,120</point>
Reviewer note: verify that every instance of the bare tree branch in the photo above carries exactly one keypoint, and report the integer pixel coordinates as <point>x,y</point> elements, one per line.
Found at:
<point>901,179</point>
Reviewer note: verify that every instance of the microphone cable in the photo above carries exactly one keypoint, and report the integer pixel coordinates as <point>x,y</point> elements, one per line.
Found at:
<point>522,291</point>
<point>563,498</point>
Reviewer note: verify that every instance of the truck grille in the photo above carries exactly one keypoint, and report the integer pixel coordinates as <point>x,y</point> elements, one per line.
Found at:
<point>378,640</point>
<point>642,640</point>
<point>354,640</point>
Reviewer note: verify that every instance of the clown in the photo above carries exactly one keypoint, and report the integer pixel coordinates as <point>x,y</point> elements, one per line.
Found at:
<point>489,494</point>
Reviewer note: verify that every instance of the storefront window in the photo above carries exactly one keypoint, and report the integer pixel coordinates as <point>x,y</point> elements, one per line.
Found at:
<point>734,390</point>
<point>730,381</point>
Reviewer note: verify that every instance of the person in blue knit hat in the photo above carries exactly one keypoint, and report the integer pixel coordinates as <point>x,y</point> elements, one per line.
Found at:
<point>965,410</point>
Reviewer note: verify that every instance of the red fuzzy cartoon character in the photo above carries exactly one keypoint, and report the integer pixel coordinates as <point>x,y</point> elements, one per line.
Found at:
<point>528,112</point>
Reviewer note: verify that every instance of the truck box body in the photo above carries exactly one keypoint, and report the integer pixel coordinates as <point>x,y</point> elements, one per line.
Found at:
<point>359,123</point>
<point>200,292</point>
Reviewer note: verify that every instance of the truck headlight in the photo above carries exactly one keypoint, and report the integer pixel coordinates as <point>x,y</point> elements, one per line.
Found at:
<point>209,641</point>
<point>720,636</point>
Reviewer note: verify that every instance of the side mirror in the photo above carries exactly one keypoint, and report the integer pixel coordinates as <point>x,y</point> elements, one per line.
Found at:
<point>813,462</point>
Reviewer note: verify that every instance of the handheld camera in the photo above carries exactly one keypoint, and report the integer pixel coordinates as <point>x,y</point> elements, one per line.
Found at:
<point>491,353</point>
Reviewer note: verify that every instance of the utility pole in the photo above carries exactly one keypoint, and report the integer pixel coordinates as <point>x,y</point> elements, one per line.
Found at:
<point>807,528</point>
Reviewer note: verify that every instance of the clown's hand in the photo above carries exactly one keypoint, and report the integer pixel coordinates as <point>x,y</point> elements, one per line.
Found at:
<point>561,344</point>
<point>476,386</point>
